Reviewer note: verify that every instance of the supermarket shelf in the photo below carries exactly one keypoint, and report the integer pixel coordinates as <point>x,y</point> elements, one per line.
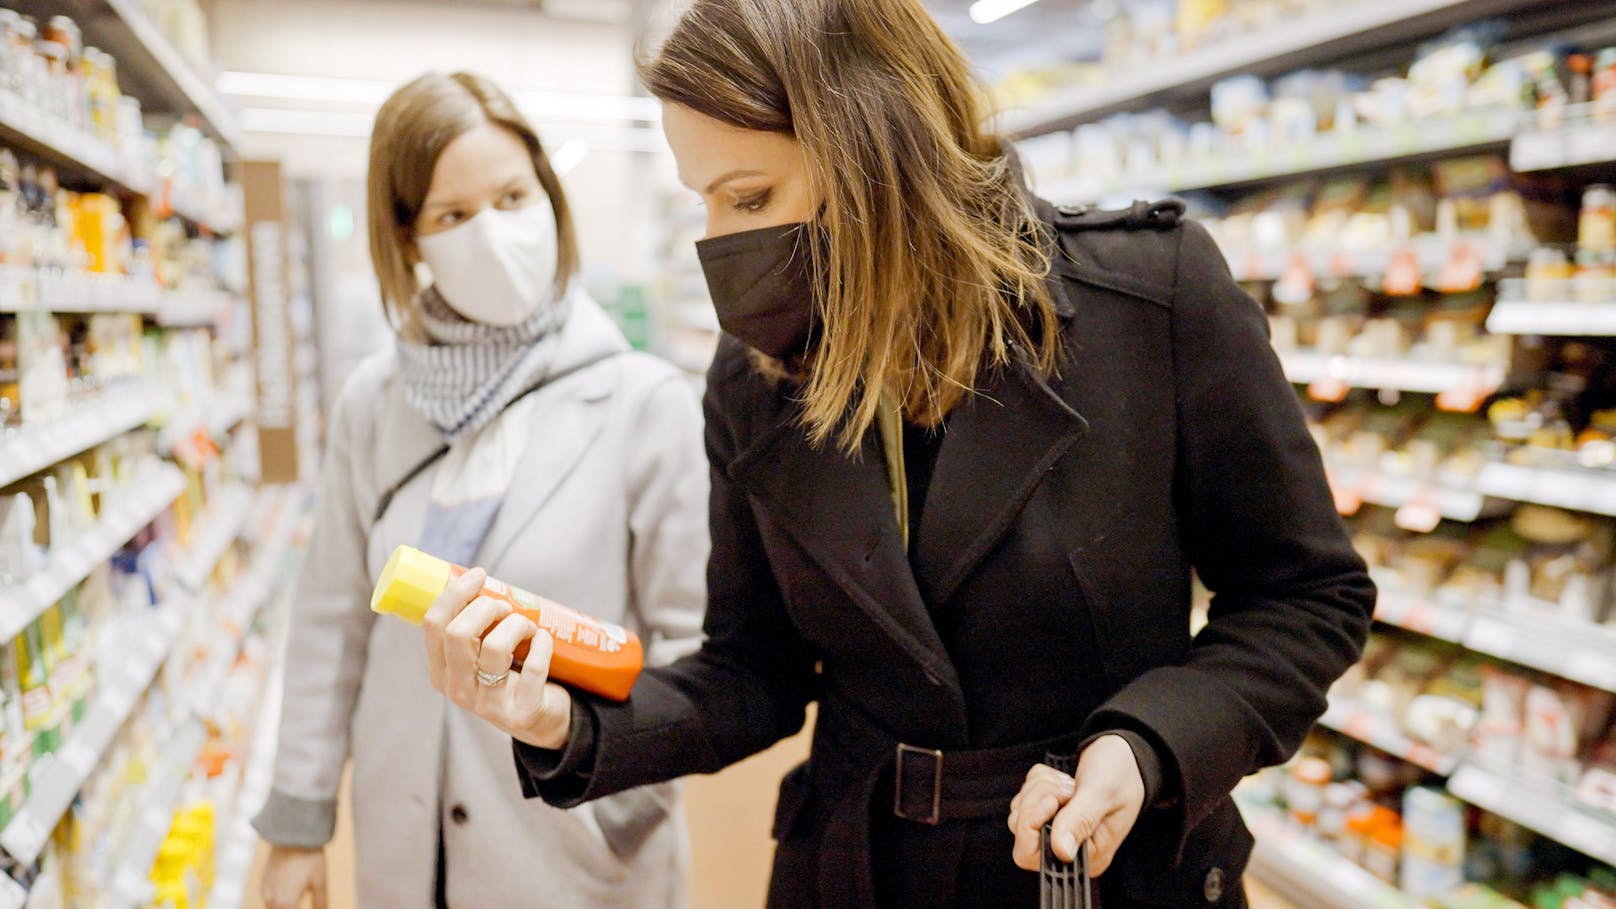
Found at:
<point>126,512</point>
<point>1467,131</point>
<point>1570,307</point>
<point>182,309</point>
<point>1311,874</point>
<point>1450,502</point>
<point>23,289</point>
<point>24,127</point>
<point>1432,253</point>
<point>217,416</point>
<point>238,842</point>
<point>213,532</point>
<point>142,651</point>
<point>110,414</point>
<point>1554,318</point>
<point>1307,367</point>
<point>1421,615</point>
<point>1330,34</point>
<point>1577,489</point>
<point>149,66</point>
<point>1579,141</point>
<point>1379,730</point>
<point>1541,805</point>
<point>130,882</point>
<point>1579,651</point>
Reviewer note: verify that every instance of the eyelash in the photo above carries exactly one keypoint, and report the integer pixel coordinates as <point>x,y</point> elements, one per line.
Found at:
<point>753,204</point>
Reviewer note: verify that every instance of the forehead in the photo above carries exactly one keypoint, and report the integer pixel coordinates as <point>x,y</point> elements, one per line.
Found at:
<point>706,148</point>
<point>484,158</point>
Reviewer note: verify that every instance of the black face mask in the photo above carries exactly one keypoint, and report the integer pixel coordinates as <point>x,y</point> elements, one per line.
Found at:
<point>761,286</point>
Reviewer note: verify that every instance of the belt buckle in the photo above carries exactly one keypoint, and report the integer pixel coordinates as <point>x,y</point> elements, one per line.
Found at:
<point>936,756</point>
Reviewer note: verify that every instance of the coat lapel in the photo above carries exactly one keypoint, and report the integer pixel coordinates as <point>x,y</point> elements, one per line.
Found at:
<point>565,421</point>
<point>839,512</point>
<point>996,449</point>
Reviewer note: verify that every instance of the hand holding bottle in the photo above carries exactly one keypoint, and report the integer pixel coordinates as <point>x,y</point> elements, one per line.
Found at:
<point>471,644</point>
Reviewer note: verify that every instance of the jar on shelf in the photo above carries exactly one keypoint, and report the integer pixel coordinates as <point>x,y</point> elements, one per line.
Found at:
<point>1596,225</point>
<point>1603,85</point>
<point>1304,791</point>
<point>1547,271</point>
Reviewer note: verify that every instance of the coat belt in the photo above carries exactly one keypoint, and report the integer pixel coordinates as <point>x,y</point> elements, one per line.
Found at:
<point>930,786</point>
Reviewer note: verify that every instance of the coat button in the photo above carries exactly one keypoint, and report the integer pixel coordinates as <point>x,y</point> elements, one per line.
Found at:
<point>458,814</point>
<point>1213,889</point>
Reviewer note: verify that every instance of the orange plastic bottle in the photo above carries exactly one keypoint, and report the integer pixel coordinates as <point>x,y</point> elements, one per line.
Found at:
<point>590,654</point>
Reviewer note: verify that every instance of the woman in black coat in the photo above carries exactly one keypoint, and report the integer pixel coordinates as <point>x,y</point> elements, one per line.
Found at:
<point>966,451</point>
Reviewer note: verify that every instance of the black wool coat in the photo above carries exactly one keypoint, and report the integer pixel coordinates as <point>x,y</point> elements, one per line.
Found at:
<point>1045,598</point>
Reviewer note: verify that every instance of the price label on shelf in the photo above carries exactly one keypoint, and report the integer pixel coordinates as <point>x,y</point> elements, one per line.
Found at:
<point>1492,637</point>
<point>1330,390</point>
<point>1423,755</point>
<point>1587,835</point>
<point>25,835</point>
<point>1420,515</point>
<point>1590,668</point>
<point>1423,617</point>
<point>1348,500</point>
<point>1591,145</point>
<point>79,758</point>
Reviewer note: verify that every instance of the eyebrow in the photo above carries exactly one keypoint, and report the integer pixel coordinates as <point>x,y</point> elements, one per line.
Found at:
<point>510,184</point>
<point>732,175</point>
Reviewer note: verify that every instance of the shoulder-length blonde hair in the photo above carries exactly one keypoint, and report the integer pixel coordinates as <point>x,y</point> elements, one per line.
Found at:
<point>932,255</point>
<point>412,129</point>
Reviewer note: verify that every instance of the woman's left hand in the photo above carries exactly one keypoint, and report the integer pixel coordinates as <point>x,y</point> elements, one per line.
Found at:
<point>1099,806</point>
<point>470,647</point>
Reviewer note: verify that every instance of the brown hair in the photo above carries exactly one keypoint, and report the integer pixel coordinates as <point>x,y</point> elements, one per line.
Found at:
<point>931,250</point>
<point>412,129</point>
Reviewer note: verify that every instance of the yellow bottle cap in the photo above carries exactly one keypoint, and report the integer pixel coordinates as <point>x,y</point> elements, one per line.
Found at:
<point>409,583</point>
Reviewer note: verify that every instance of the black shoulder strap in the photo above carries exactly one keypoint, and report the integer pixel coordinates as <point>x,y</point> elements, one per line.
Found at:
<point>409,476</point>
<point>1160,215</point>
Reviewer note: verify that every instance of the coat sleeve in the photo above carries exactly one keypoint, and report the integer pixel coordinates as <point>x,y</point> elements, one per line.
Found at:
<point>325,650</point>
<point>667,488</point>
<point>1291,600</point>
<point>745,689</point>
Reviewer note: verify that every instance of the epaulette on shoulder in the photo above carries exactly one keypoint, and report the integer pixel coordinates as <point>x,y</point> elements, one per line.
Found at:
<point>1161,215</point>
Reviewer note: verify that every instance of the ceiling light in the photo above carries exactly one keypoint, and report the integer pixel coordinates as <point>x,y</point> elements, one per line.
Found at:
<point>985,11</point>
<point>569,155</point>
<point>357,125</point>
<point>538,105</point>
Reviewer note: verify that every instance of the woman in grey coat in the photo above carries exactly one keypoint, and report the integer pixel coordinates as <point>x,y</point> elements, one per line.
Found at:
<point>510,427</point>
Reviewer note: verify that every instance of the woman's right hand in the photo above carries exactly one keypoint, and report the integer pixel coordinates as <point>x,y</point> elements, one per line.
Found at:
<point>471,640</point>
<point>291,873</point>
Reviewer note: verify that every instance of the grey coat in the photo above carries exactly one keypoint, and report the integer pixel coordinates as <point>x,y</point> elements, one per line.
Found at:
<point>607,512</point>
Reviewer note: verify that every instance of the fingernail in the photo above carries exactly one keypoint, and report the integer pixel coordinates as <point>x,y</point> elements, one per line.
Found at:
<point>1066,846</point>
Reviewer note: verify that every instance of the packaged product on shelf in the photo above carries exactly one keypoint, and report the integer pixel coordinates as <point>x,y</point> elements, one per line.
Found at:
<point>1549,743</point>
<point>1597,784</point>
<point>1603,85</point>
<point>1434,833</point>
<point>1304,790</point>
<point>42,364</point>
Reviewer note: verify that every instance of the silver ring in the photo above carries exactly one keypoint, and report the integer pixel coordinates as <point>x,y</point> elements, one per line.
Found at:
<point>484,678</point>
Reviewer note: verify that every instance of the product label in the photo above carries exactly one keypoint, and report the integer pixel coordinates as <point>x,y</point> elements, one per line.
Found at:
<point>564,624</point>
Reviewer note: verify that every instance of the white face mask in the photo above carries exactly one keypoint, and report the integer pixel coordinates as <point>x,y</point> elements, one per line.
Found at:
<point>497,268</point>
